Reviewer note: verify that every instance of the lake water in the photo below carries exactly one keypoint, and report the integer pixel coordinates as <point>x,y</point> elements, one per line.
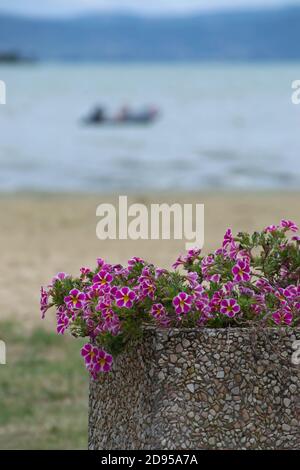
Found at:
<point>221,127</point>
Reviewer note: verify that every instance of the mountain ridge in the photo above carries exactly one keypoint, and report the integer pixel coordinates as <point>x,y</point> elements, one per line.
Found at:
<point>235,35</point>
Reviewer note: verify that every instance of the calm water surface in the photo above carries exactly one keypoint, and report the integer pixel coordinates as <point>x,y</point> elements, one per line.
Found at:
<point>221,127</point>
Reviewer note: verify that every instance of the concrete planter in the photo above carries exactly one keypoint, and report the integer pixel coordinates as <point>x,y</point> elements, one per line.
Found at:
<point>200,389</point>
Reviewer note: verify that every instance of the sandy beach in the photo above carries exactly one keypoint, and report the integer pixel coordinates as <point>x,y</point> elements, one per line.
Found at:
<point>43,234</point>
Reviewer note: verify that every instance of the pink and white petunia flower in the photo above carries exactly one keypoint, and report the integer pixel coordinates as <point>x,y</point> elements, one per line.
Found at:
<point>103,362</point>
<point>89,353</point>
<point>102,278</point>
<point>271,228</point>
<point>44,305</point>
<point>125,297</point>
<point>264,285</point>
<point>214,278</point>
<point>291,292</point>
<point>191,255</point>
<point>182,303</point>
<point>283,317</point>
<point>228,238</point>
<point>147,289</point>
<point>241,271</point>
<point>289,225</point>
<point>179,262</point>
<point>84,272</point>
<point>132,262</point>
<point>206,263</point>
<point>160,272</point>
<point>229,307</point>
<point>75,299</point>
<point>59,277</point>
<point>158,311</point>
<point>63,322</point>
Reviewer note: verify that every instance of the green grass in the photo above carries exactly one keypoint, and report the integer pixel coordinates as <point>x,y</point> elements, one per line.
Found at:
<point>43,391</point>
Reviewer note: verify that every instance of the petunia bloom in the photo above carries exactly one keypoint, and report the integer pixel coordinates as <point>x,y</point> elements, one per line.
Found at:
<point>264,285</point>
<point>283,316</point>
<point>84,271</point>
<point>228,238</point>
<point>125,297</point>
<point>44,301</point>
<point>111,325</point>
<point>241,271</point>
<point>271,228</point>
<point>148,289</point>
<point>180,261</point>
<point>103,361</point>
<point>214,278</point>
<point>60,277</point>
<point>63,322</point>
<point>160,272</point>
<point>102,278</point>
<point>229,307</point>
<point>182,303</point>
<point>75,299</point>
<point>207,262</point>
<point>289,225</point>
<point>158,311</point>
<point>134,261</point>
<point>89,353</point>
<point>192,254</point>
<point>104,306</point>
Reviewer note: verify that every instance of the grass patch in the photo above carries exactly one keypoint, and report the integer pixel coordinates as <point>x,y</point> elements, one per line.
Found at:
<point>43,391</point>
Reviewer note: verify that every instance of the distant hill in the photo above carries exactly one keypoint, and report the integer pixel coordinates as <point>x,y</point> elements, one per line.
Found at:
<point>272,34</point>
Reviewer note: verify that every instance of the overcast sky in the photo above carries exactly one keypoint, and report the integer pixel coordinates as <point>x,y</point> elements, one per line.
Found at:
<point>67,7</point>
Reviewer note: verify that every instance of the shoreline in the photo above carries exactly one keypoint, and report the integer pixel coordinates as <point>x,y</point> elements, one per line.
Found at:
<point>148,193</point>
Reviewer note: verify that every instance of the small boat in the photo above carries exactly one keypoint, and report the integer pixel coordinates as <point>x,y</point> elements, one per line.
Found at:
<point>98,116</point>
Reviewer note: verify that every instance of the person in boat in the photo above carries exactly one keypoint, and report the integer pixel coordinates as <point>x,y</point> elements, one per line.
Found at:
<point>127,115</point>
<point>124,114</point>
<point>147,114</point>
<point>97,115</point>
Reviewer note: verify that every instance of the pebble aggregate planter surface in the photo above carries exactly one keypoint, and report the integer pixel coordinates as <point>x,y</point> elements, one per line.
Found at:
<point>200,389</point>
